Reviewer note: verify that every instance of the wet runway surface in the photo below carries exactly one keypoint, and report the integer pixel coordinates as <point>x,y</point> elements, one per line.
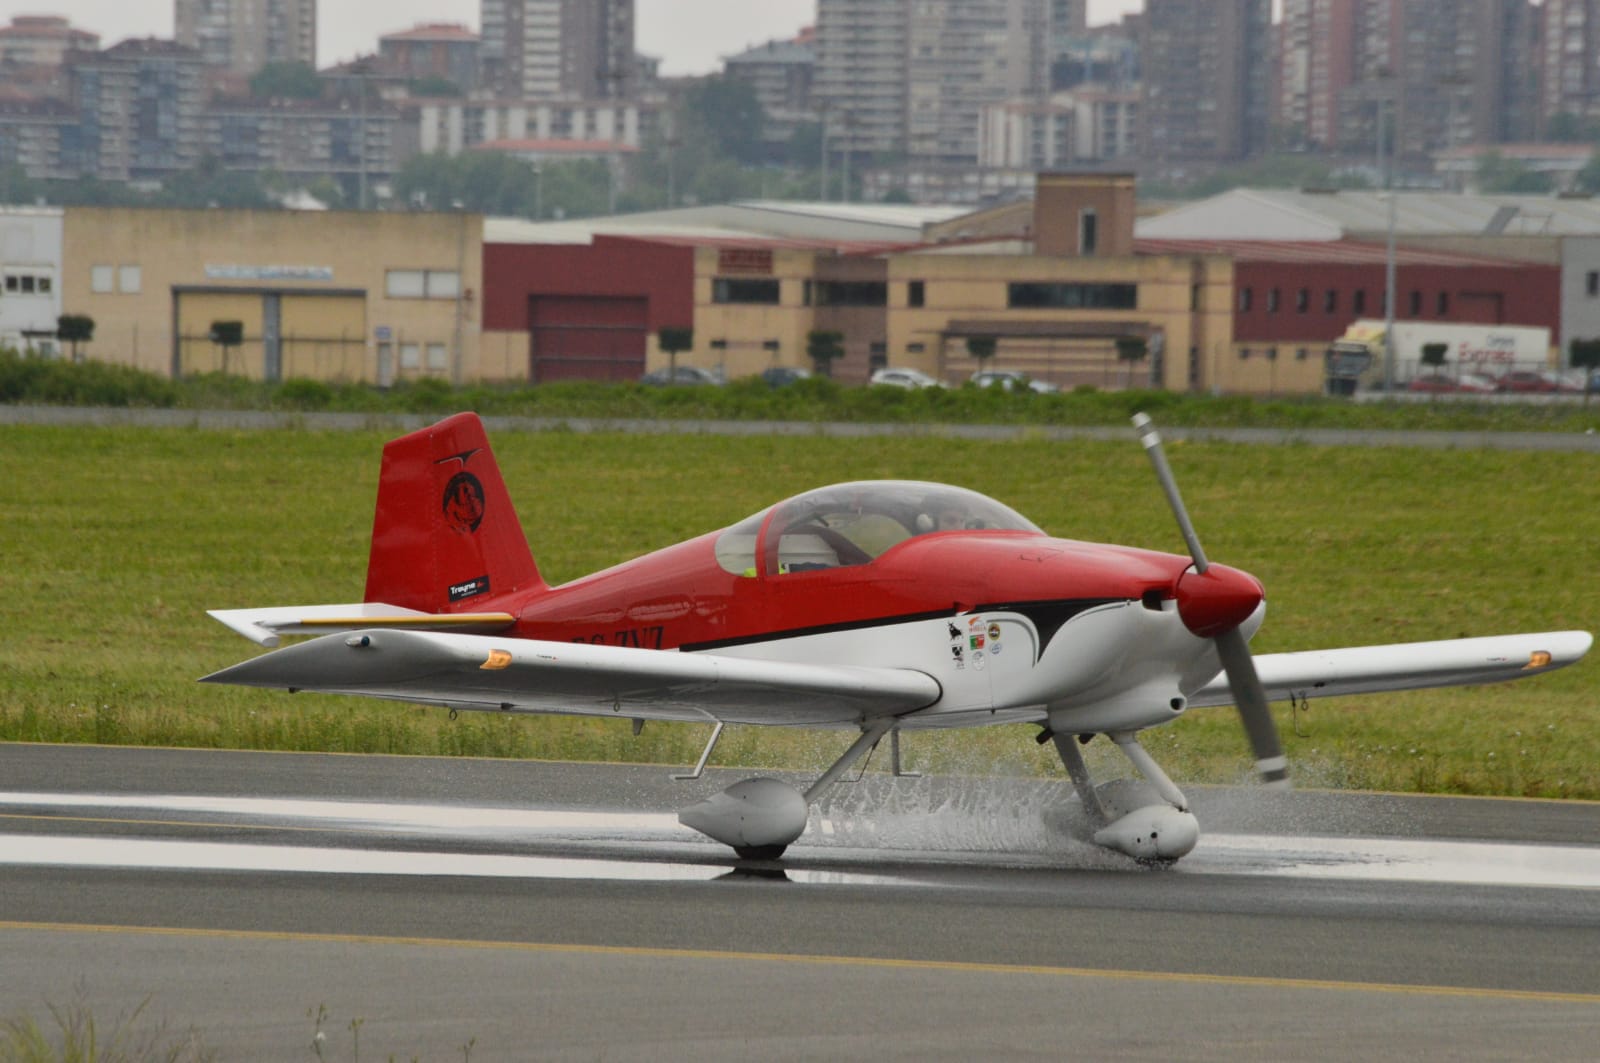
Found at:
<point>559,911</point>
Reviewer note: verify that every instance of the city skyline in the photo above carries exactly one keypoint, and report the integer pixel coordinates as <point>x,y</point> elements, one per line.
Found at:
<point>689,36</point>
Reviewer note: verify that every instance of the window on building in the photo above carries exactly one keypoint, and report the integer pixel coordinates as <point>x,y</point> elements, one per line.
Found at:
<point>1358,301</point>
<point>805,294</point>
<point>916,293</point>
<point>1045,295</point>
<point>745,290</point>
<point>410,356</point>
<point>1301,354</point>
<point>129,279</point>
<point>1330,301</point>
<point>1592,283</point>
<point>1245,297</point>
<point>102,279</point>
<point>719,345</point>
<point>1244,354</point>
<point>421,284</point>
<point>916,348</point>
<point>1443,304</point>
<point>1416,303</point>
<point>1302,300</point>
<point>1088,231</point>
<point>1272,300</point>
<point>438,358</point>
<point>770,346</point>
<point>852,293</point>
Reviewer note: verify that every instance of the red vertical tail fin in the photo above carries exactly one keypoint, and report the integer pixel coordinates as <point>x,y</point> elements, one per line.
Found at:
<point>445,537</point>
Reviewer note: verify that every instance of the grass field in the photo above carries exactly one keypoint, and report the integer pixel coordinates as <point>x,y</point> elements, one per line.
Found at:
<point>115,541</point>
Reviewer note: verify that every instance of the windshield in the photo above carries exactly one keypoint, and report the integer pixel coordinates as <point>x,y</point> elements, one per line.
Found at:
<point>853,523</point>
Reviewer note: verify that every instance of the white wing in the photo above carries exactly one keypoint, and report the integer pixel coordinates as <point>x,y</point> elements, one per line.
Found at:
<point>525,675</point>
<point>1406,666</point>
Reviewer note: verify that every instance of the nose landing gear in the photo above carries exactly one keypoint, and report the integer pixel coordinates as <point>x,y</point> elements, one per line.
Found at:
<point>1149,821</point>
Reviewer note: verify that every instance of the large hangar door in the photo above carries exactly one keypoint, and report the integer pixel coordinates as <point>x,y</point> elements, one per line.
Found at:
<point>582,337</point>
<point>196,311</point>
<point>323,336</point>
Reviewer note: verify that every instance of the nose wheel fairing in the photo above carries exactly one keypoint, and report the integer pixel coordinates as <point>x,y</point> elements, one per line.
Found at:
<point>1148,820</point>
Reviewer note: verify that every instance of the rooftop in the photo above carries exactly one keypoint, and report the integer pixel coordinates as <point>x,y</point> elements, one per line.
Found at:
<point>1283,214</point>
<point>1319,252</point>
<point>433,31</point>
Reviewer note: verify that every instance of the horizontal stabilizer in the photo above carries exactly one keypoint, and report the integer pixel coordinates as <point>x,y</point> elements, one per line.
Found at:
<point>525,675</point>
<point>1406,666</point>
<point>266,625</point>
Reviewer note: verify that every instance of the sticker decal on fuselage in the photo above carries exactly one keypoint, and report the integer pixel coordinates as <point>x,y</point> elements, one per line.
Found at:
<point>470,589</point>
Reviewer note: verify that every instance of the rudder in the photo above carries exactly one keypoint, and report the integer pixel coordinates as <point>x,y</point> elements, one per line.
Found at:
<point>445,537</point>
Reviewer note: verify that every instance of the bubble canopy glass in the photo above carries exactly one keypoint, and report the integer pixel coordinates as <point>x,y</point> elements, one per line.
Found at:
<point>854,523</point>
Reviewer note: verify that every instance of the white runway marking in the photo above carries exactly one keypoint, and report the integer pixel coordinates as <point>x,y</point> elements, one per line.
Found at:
<point>665,847</point>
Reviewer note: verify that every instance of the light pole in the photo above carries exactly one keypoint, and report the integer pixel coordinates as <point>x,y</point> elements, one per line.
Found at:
<point>824,195</point>
<point>1388,259</point>
<point>849,142</point>
<point>672,171</point>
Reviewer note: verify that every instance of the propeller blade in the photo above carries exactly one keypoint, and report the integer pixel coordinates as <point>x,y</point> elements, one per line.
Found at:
<point>1152,446</point>
<point>1248,694</point>
<point>1251,699</point>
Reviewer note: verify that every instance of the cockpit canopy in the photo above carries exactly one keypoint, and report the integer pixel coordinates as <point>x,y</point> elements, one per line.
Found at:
<point>853,523</point>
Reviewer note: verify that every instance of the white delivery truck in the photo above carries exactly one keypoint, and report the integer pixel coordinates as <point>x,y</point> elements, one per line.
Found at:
<point>1486,350</point>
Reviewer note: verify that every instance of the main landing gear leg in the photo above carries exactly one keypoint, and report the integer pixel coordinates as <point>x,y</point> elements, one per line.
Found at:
<point>1123,813</point>
<point>760,817</point>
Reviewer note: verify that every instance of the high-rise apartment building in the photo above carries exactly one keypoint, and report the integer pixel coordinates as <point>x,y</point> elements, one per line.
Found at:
<point>1463,70</point>
<point>909,77</point>
<point>540,49</point>
<point>136,111</point>
<point>245,35</point>
<point>1316,63</point>
<point>1206,66</point>
<point>1570,60</point>
<point>1450,72</point>
<point>42,40</point>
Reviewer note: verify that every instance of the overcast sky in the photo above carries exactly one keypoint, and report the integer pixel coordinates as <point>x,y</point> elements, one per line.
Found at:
<point>690,36</point>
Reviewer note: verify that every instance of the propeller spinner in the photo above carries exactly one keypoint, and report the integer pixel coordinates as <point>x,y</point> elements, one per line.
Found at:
<point>1212,602</point>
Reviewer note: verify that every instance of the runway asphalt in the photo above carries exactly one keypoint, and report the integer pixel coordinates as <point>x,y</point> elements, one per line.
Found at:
<point>473,909</point>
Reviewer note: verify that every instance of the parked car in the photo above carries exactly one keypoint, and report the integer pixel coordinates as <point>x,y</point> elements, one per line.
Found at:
<point>681,376</point>
<point>1012,381</point>
<point>1527,381</point>
<point>905,378</point>
<point>782,375</point>
<point>1441,383</point>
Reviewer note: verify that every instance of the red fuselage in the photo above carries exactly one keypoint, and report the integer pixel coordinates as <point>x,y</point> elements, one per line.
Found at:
<point>682,598</point>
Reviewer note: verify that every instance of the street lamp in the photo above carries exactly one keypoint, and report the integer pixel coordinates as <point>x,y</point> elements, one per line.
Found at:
<point>672,171</point>
<point>1386,160</point>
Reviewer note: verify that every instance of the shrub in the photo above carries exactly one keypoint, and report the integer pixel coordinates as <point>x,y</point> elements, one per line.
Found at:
<point>300,393</point>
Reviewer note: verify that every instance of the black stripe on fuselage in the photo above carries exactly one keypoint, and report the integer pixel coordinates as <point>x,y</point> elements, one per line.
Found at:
<point>1047,618</point>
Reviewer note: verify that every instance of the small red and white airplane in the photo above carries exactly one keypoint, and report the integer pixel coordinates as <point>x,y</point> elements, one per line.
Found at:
<point>870,607</point>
